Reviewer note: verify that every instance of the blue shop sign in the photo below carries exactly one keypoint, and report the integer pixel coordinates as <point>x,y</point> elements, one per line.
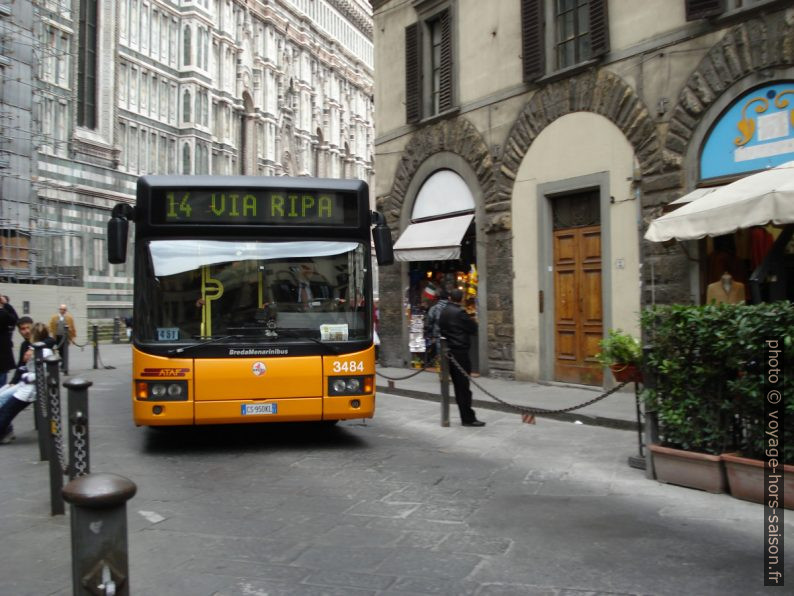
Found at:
<point>755,133</point>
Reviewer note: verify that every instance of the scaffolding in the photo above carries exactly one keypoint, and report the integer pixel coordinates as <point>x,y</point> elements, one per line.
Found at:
<point>27,233</point>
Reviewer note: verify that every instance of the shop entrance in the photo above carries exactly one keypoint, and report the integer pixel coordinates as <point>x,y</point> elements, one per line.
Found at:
<point>578,312</point>
<point>429,281</point>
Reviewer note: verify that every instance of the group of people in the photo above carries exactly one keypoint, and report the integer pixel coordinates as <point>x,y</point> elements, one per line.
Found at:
<point>17,392</point>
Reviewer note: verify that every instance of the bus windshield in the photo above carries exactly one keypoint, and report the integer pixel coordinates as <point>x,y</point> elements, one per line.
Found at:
<point>194,289</point>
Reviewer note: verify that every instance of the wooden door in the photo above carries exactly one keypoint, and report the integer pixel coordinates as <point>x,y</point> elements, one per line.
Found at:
<point>578,317</point>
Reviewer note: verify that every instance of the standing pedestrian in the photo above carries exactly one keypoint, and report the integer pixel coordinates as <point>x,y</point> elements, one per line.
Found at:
<point>25,327</point>
<point>458,327</point>
<point>433,330</point>
<point>62,327</point>
<point>8,320</point>
<point>15,398</point>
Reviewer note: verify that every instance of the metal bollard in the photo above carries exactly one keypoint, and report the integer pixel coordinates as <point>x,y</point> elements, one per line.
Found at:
<point>64,350</point>
<point>651,426</point>
<point>54,438</point>
<point>79,461</point>
<point>100,561</point>
<point>444,383</point>
<point>40,405</point>
<point>116,331</point>
<point>95,334</point>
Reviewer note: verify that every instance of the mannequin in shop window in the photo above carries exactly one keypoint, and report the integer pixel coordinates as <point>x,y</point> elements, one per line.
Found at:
<point>725,291</point>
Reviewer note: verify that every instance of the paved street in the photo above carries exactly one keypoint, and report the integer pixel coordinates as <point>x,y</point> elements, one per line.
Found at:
<point>395,505</point>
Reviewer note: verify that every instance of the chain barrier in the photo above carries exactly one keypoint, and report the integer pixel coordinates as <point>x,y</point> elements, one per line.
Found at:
<point>412,375</point>
<point>80,453</point>
<point>533,411</point>
<point>56,425</point>
<point>102,364</point>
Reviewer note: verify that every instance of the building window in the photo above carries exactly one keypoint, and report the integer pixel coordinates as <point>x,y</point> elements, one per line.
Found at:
<point>185,159</point>
<point>572,32</point>
<point>429,49</point>
<point>578,32</point>
<point>86,68</point>
<point>98,256</point>
<point>186,46</point>
<point>186,106</point>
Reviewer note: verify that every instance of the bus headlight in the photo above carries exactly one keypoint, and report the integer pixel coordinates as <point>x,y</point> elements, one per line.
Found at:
<point>161,390</point>
<point>350,385</point>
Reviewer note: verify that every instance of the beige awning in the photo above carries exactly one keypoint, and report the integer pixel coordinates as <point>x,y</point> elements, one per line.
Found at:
<point>755,200</point>
<point>434,240</point>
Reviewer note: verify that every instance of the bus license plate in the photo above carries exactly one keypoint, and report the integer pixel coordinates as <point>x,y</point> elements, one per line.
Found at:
<point>258,409</point>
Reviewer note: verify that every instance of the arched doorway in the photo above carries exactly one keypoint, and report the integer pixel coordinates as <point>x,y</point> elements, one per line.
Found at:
<point>438,247</point>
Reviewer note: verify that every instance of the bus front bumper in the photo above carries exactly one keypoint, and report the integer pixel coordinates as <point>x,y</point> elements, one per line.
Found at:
<point>149,413</point>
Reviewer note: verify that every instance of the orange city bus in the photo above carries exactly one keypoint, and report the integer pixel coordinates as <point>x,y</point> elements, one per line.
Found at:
<point>253,298</point>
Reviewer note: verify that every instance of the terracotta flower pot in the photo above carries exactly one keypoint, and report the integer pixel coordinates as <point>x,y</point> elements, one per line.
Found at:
<point>746,479</point>
<point>689,468</point>
<point>626,372</point>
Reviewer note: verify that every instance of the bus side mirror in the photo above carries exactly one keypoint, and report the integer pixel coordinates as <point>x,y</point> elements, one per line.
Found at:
<point>381,235</point>
<point>117,239</point>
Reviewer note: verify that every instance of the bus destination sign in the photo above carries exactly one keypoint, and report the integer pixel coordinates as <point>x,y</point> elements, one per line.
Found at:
<point>251,207</point>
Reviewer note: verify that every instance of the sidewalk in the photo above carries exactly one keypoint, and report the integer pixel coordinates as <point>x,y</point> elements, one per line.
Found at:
<point>615,411</point>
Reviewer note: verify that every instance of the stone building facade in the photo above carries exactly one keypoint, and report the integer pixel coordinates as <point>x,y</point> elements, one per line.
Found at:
<point>134,87</point>
<point>573,125</point>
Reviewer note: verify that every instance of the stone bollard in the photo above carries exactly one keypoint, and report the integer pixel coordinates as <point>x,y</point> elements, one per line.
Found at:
<point>100,562</point>
<point>79,461</point>
<point>444,361</point>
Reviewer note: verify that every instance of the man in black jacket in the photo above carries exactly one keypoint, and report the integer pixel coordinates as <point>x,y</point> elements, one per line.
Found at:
<point>8,319</point>
<point>458,327</point>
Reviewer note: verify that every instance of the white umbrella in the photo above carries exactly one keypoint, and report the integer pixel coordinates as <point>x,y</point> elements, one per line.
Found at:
<point>755,200</point>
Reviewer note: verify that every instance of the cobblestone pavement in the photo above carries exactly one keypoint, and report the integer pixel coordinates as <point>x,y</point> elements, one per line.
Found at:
<point>395,505</point>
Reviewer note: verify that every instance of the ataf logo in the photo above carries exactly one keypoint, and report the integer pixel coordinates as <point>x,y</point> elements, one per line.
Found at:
<point>165,372</point>
<point>258,368</point>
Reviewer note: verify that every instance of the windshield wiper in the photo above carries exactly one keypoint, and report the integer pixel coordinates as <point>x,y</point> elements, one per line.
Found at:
<point>329,347</point>
<point>203,343</point>
<point>295,335</point>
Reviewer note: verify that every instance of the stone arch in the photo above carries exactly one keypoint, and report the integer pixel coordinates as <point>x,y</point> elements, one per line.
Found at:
<point>456,136</point>
<point>746,49</point>
<point>600,92</point>
<point>458,145</point>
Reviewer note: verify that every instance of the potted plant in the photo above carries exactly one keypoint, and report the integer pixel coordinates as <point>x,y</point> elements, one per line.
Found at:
<point>709,395</point>
<point>622,353</point>
<point>745,463</point>
<point>689,357</point>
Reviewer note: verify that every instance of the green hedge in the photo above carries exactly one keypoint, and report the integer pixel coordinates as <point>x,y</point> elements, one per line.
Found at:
<point>709,364</point>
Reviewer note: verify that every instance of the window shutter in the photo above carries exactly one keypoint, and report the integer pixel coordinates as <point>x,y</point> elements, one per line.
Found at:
<point>413,73</point>
<point>533,43</point>
<point>445,99</point>
<point>599,28</point>
<point>703,9</point>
